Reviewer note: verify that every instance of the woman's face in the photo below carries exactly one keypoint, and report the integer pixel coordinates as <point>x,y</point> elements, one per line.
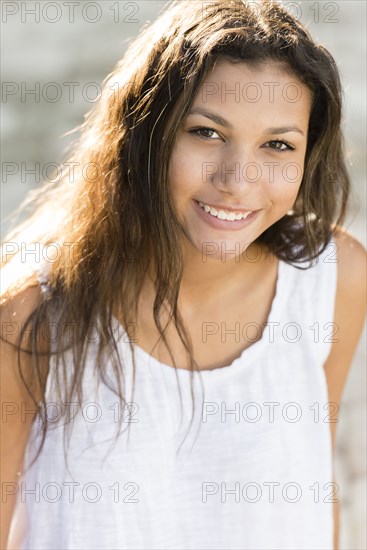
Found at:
<point>240,149</point>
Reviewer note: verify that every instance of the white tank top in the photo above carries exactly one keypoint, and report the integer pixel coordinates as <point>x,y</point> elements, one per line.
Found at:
<point>259,474</point>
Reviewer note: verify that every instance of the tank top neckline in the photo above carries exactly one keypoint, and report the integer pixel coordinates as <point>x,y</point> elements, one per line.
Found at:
<point>247,355</point>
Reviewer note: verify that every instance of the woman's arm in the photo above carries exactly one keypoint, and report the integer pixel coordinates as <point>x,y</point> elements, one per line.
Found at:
<point>350,311</point>
<point>15,426</point>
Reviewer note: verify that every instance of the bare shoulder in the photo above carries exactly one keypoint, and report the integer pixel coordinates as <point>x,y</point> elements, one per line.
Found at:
<point>352,262</point>
<point>16,310</point>
<point>350,306</point>
<point>350,311</point>
<point>14,314</point>
<point>18,408</point>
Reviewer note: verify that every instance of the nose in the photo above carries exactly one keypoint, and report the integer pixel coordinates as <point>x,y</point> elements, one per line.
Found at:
<point>237,172</point>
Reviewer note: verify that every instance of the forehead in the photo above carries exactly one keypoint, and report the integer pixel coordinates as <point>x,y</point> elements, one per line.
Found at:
<point>240,86</point>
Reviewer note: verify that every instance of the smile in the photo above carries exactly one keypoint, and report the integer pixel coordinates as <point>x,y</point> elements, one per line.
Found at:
<point>224,214</point>
<point>222,219</point>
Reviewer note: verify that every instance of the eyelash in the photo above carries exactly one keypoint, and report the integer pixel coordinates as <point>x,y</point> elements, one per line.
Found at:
<point>195,131</point>
<point>289,146</point>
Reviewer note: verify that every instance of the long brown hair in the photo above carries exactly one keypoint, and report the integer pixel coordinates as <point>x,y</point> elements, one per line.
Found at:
<point>112,213</point>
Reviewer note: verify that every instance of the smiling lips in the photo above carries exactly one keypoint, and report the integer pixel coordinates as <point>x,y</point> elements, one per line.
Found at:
<point>225,214</point>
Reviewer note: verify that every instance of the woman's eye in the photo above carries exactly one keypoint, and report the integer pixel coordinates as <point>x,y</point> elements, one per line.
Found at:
<point>280,145</point>
<point>200,131</point>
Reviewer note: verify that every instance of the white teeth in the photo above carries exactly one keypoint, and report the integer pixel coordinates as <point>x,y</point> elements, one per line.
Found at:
<point>222,215</point>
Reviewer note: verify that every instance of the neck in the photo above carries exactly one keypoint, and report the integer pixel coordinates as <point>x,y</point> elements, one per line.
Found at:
<point>205,278</point>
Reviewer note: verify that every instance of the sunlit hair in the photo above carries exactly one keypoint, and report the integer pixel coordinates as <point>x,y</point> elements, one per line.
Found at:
<point>115,216</point>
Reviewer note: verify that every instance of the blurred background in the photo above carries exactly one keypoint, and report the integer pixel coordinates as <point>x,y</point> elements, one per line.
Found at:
<point>54,57</point>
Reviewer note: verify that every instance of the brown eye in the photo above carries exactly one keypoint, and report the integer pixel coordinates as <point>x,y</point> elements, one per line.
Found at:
<point>199,131</point>
<point>280,145</point>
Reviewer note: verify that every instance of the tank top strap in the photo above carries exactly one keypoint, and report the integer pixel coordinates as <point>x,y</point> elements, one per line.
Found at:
<point>311,301</point>
<point>325,282</point>
<point>324,298</point>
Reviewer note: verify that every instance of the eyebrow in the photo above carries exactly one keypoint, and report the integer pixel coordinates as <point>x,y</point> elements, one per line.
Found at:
<point>222,122</point>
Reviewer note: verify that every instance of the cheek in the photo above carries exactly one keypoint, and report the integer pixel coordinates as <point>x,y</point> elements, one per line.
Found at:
<point>185,174</point>
<point>284,186</point>
<point>174,169</point>
<point>177,181</point>
<point>284,198</point>
<point>292,173</point>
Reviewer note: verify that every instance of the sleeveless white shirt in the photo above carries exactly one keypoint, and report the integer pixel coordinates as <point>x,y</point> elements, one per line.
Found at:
<point>259,474</point>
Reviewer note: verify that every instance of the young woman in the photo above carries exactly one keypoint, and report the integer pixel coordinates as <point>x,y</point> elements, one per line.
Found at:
<point>174,359</point>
